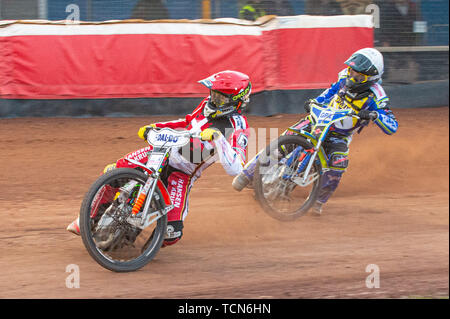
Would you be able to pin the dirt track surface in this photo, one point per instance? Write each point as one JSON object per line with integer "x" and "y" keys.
{"x": 391, "y": 209}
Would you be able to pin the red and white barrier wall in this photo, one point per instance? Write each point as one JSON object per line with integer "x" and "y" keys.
{"x": 166, "y": 59}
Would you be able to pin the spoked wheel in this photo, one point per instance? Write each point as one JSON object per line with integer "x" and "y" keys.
{"x": 279, "y": 186}
{"x": 108, "y": 227}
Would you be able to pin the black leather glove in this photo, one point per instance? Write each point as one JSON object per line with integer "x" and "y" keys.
{"x": 368, "y": 115}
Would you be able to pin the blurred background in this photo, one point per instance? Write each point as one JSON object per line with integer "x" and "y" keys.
{"x": 412, "y": 34}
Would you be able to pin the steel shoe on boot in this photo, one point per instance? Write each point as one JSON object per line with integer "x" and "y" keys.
{"x": 317, "y": 209}
{"x": 74, "y": 226}
{"x": 240, "y": 182}
{"x": 174, "y": 233}
{"x": 169, "y": 242}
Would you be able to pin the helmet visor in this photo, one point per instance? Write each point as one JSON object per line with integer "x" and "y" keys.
{"x": 360, "y": 63}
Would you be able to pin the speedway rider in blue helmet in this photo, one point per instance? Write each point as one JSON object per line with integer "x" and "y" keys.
{"x": 358, "y": 87}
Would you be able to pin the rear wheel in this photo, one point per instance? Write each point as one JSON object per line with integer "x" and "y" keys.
{"x": 105, "y": 216}
{"x": 277, "y": 182}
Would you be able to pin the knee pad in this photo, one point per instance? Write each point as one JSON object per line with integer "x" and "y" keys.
{"x": 338, "y": 161}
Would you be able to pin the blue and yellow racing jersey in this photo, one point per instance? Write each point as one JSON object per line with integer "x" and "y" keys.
{"x": 373, "y": 100}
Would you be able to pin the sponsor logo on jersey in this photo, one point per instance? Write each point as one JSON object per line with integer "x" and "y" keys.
{"x": 390, "y": 123}
{"x": 176, "y": 193}
{"x": 242, "y": 140}
{"x": 139, "y": 154}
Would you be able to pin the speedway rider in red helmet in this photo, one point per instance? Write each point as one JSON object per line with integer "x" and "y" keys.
{"x": 224, "y": 132}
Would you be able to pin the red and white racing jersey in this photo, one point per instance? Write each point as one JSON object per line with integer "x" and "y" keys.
{"x": 230, "y": 149}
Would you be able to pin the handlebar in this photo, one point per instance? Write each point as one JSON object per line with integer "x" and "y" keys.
{"x": 196, "y": 135}
{"x": 373, "y": 114}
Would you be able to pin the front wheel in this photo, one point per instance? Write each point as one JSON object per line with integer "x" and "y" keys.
{"x": 109, "y": 237}
{"x": 278, "y": 178}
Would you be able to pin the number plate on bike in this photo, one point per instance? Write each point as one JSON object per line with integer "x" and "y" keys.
{"x": 325, "y": 116}
{"x": 168, "y": 138}
{"x": 155, "y": 160}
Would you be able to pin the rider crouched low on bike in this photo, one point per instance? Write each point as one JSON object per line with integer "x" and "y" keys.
{"x": 358, "y": 87}
{"x": 224, "y": 134}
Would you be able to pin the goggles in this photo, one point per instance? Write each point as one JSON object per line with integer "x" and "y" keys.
{"x": 357, "y": 77}
{"x": 219, "y": 100}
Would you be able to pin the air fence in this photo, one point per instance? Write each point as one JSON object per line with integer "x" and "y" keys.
{"x": 152, "y": 53}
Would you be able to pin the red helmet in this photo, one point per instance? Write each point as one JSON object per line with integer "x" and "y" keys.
{"x": 229, "y": 92}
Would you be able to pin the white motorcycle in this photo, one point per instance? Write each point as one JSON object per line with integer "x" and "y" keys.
{"x": 123, "y": 217}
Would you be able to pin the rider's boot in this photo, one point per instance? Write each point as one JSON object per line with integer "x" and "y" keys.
{"x": 245, "y": 178}
{"x": 173, "y": 234}
{"x": 316, "y": 209}
{"x": 169, "y": 242}
{"x": 74, "y": 227}
{"x": 240, "y": 182}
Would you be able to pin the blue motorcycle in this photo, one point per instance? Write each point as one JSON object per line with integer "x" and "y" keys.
{"x": 289, "y": 171}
